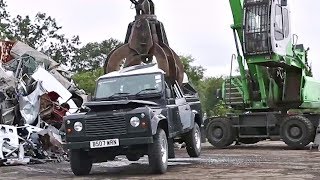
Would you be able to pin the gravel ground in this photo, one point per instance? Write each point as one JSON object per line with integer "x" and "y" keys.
{"x": 265, "y": 160}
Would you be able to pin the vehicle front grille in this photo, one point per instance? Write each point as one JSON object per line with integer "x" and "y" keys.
{"x": 105, "y": 125}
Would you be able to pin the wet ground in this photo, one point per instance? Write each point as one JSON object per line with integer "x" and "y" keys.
{"x": 265, "y": 160}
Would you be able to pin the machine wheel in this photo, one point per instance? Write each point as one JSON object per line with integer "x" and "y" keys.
{"x": 133, "y": 157}
{"x": 220, "y": 133}
{"x": 80, "y": 162}
{"x": 158, "y": 152}
{"x": 193, "y": 141}
{"x": 297, "y": 131}
{"x": 249, "y": 140}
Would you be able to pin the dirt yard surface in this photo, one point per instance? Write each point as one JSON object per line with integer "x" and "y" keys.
{"x": 265, "y": 160}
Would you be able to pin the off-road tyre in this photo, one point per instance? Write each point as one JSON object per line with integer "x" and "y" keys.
{"x": 297, "y": 131}
{"x": 158, "y": 153}
{"x": 80, "y": 162}
{"x": 193, "y": 141}
{"x": 220, "y": 132}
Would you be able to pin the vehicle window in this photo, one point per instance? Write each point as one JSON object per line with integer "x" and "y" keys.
{"x": 129, "y": 85}
{"x": 286, "y": 22}
{"x": 256, "y": 29}
{"x": 279, "y": 35}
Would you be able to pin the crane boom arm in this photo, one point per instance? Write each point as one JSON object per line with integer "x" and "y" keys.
{"x": 237, "y": 12}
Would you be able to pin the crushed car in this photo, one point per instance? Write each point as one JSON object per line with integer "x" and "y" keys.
{"x": 35, "y": 95}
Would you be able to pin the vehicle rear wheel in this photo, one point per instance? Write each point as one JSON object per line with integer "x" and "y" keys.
{"x": 80, "y": 162}
{"x": 297, "y": 131}
{"x": 193, "y": 141}
{"x": 220, "y": 132}
{"x": 158, "y": 152}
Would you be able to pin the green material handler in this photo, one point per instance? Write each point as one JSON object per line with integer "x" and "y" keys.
{"x": 275, "y": 78}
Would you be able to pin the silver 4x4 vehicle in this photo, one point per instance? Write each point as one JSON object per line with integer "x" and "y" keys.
{"x": 134, "y": 112}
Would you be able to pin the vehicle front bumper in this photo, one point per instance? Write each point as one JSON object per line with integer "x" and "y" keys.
{"x": 122, "y": 142}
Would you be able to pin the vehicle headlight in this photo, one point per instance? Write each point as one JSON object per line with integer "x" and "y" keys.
{"x": 78, "y": 126}
{"x": 135, "y": 121}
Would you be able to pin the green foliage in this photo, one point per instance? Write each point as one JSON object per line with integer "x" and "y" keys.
{"x": 4, "y": 20}
{"x": 93, "y": 55}
{"x": 207, "y": 89}
{"x": 40, "y": 32}
{"x": 87, "y": 80}
{"x": 219, "y": 110}
{"x": 88, "y": 62}
{"x": 195, "y": 73}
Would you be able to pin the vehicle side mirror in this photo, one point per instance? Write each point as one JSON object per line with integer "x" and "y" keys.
{"x": 219, "y": 94}
{"x": 168, "y": 93}
{"x": 284, "y": 2}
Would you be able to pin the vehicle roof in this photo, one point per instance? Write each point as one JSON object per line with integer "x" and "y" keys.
{"x": 134, "y": 70}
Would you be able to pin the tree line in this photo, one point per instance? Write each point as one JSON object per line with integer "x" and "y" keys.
{"x": 43, "y": 33}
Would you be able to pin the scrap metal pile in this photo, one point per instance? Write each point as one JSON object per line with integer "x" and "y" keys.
{"x": 35, "y": 93}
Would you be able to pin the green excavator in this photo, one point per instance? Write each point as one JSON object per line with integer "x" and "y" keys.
{"x": 275, "y": 87}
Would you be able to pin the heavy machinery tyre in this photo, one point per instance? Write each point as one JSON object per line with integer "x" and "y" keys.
{"x": 249, "y": 140}
{"x": 193, "y": 141}
{"x": 80, "y": 162}
{"x": 220, "y": 132}
{"x": 133, "y": 157}
{"x": 297, "y": 131}
{"x": 158, "y": 152}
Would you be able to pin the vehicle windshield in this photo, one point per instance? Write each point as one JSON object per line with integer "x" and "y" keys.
{"x": 129, "y": 85}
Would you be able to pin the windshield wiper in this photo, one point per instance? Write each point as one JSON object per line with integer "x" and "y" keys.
{"x": 118, "y": 94}
{"x": 144, "y": 90}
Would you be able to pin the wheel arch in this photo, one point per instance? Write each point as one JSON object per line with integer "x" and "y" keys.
{"x": 198, "y": 119}
{"x": 163, "y": 124}
{"x": 159, "y": 121}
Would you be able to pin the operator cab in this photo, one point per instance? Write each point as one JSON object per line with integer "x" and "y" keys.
{"x": 266, "y": 27}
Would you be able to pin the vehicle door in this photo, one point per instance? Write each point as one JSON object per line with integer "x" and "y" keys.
{"x": 185, "y": 112}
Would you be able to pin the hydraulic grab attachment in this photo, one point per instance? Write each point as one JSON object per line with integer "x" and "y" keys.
{"x": 146, "y": 39}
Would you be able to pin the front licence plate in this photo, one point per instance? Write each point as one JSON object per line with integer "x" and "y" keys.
{"x": 104, "y": 143}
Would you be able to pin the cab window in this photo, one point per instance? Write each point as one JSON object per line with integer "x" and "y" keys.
{"x": 286, "y": 22}
{"x": 279, "y": 34}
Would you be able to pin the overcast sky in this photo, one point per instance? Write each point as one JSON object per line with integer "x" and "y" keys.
{"x": 199, "y": 28}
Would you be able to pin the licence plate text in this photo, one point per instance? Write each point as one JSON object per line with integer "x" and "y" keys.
{"x": 104, "y": 143}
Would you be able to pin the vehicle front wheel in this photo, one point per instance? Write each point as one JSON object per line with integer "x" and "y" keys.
{"x": 193, "y": 141}
{"x": 80, "y": 162}
{"x": 158, "y": 152}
